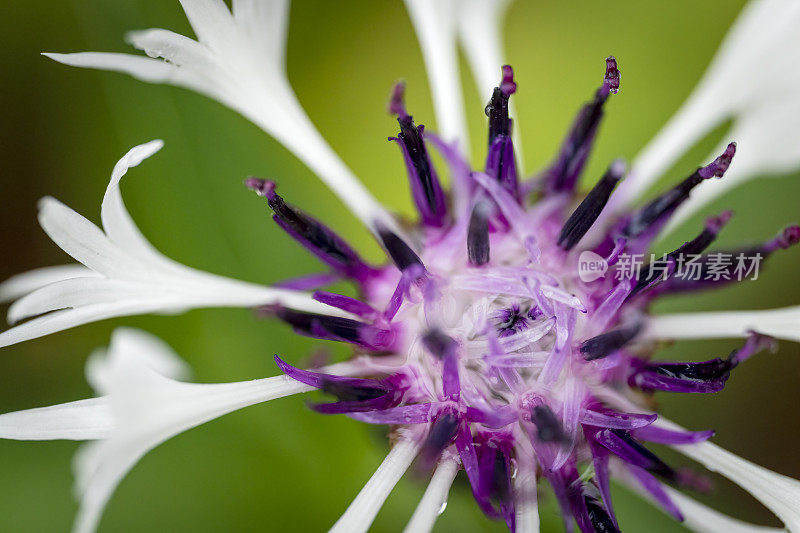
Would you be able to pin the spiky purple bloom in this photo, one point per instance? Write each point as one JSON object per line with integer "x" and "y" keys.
{"x": 509, "y": 357}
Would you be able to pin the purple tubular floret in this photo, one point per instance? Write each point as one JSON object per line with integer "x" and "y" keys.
{"x": 621, "y": 444}
{"x": 335, "y": 328}
{"x": 354, "y": 394}
{"x": 425, "y": 187}
{"x": 345, "y": 303}
{"x": 563, "y": 175}
{"x": 650, "y": 276}
{"x": 589, "y": 209}
{"x": 720, "y": 268}
{"x": 703, "y": 377}
{"x": 315, "y": 236}
{"x": 669, "y": 436}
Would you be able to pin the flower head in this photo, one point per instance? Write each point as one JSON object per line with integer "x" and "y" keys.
{"x": 481, "y": 342}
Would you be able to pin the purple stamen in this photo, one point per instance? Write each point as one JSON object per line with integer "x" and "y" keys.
{"x": 548, "y": 426}
{"x": 563, "y": 175}
{"x": 497, "y": 108}
{"x": 425, "y": 186}
{"x": 335, "y": 328}
{"x": 650, "y": 219}
{"x": 400, "y": 252}
{"x": 312, "y": 234}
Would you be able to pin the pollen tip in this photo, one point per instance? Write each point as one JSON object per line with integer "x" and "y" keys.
{"x": 618, "y": 168}
{"x": 789, "y": 237}
{"x": 716, "y": 223}
{"x": 718, "y": 167}
{"x": 507, "y": 85}
{"x": 262, "y": 187}
{"x": 612, "y": 76}
{"x": 397, "y": 104}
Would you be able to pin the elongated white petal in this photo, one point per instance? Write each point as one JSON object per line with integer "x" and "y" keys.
{"x": 435, "y": 24}
{"x": 81, "y": 420}
{"x": 266, "y": 23}
{"x": 480, "y": 34}
{"x": 765, "y": 35}
{"x": 21, "y": 284}
{"x": 525, "y": 503}
{"x": 126, "y": 274}
{"x": 360, "y": 514}
{"x": 129, "y": 344}
{"x": 699, "y": 517}
{"x": 704, "y": 519}
{"x": 239, "y": 60}
{"x": 780, "y": 494}
{"x": 141, "y": 407}
{"x": 435, "y": 498}
{"x": 781, "y": 323}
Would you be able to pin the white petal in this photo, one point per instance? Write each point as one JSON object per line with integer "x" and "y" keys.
{"x": 435, "y": 498}
{"x": 360, "y": 514}
{"x": 241, "y": 64}
{"x": 435, "y": 24}
{"x": 780, "y": 494}
{"x": 765, "y": 35}
{"x": 141, "y": 409}
{"x": 779, "y": 323}
{"x": 210, "y": 20}
{"x": 526, "y": 505}
{"x": 21, "y": 284}
{"x": 142, "y": 68}
{"x": 266, "y": 22}
{"x": 697, "y": 516}
{"x": 132, "y": 344}
{"x": 704, "y": 519}
{"x": 129, "y": 275}
{"x": 81, "y": 420}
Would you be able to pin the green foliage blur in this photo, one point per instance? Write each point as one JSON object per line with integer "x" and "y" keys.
{"x": 278, "y": 466}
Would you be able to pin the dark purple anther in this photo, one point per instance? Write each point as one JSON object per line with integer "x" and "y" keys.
{"x": 425, "y": 187}
{"x": 598, "y": 516}
{"x": 478, "y": 234}
{"x": 335, "y": 328}
{"x": 548, "y": 427}
{"x": 512, "y": 320}
{"x": 311, "y": 233}
{"x": 607, "y": 343}
{"x": 589, "y": 209}
{"x": 563, "y": 175}
{"x": 401, "y": 253}
{"x": 651, "y": 218}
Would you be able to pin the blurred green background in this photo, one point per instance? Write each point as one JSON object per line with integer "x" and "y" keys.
{"x": 278, "y": 466}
